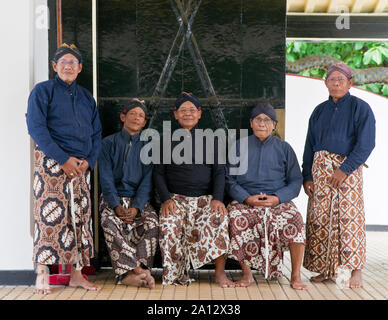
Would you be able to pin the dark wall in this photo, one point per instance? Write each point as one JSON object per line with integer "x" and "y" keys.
{"x": 240, "y": 42}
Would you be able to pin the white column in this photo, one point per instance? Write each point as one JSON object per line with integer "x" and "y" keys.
{"x": 19, "y": 26}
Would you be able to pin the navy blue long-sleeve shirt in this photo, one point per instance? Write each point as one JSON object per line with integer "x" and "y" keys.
{"x": 273, "y": 169}
{"x": 347, "y": 128}
{"x": 63, "y": 120}
{"x": 122, "y": 174}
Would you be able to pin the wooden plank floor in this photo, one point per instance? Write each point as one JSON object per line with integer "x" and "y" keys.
{"x": 375, "y": 285}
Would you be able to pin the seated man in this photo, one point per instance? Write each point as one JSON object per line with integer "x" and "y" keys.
{"x": 129, "y": 222}
{"x": 263, "y": 219}
{"x": 193, "y": 219}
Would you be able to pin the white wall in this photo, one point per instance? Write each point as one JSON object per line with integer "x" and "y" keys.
{"x": 303, "y": 94}
{"x": 17, "y": 29}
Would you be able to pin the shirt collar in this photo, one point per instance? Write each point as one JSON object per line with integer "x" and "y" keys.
{"x": 64, "y": 84}
{"x": 192, "y": 130}
{"x": 340, "y": 100}
{"x": 128, "y": 137}
{"x": 270, "y": 137}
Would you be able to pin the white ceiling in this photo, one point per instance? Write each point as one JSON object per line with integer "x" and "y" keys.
{"x": 338, "y": 6}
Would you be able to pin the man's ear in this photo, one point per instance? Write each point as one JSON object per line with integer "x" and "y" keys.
{"x": 122, "y": 117}
{"x": 54, "y": 65}
{"x": 145, "y": 122}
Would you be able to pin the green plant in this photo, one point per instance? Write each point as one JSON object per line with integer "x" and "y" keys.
{"x": 356, "y": 54}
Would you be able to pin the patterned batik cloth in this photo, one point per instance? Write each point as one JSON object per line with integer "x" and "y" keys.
{"x": 193, "y": 234}
{"x": 259, "y": 236}
{"x": 130, "y": 245}
{"x": 55, "y": 196}
{"x": 335, "y": 220}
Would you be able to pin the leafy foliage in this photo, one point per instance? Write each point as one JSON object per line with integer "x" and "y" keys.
{"x": 356, "y": 54}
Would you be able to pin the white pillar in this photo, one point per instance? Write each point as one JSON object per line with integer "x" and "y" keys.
{"x": 24, "y": 45}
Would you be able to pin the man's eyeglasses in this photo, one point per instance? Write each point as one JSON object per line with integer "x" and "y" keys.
{"x": 265, "y": 121}
{"x": 71, "y": 63}
{"x": 339, "y": 79}
{"x": 191, "y": 110}
{"x": 135, "y": 114}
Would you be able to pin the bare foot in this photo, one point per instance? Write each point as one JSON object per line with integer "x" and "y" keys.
{"x": 150, "y": 279}
{"x": 297, "y": 283}
{"x": 319, "y": 278}
{"x": 139, "y": 270}
{"x": 41, "y": 284}
{"x": 246, "y": 280}
{"x": 355, "y": 280}
{"x": 223, "y": 280}
{"x": 77, "y": 280}
{"x": 136, "y": 280}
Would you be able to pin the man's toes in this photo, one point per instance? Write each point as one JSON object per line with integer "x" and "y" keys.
{"x": 298, "y": 286}
{"x": 150, "y": 281}
{"x": 227, "y": 284}
{"x": 143, "y": 283}
{"x": 95, "y": 288}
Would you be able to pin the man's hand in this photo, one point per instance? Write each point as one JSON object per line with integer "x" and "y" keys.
{"x": 218, "y": 206}
{"x": 308, "y": 187}
{"x": 84, "y": 165}
{"x": 131, "y": 213}
{"x": 71, "y": 167}
{"x": 252, "y": 200}
{"x": 337, "y": 178}
{"x": 167, "y": 207}
{"x": 270, "y": 201}
{"x": 123, "y": 214}
{"x": 262, "y": 200}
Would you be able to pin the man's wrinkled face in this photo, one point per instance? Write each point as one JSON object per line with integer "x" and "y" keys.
{"x": 187, "y": 115}
{"x": 338, "y": 85}
{"x": 134, "y": 120}
{"x": 67, "y": 67}
{"x": 262, "y": 126}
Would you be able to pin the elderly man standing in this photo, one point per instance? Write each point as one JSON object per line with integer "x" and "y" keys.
{"x": 194, "y": 220}
{"x": 130, "y": 224}
{"x": 340, "y": 138}
{"x": 263, "y": 220}
{"x": 63, "y": 120}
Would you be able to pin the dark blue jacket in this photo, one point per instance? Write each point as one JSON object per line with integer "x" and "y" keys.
{"x": 273, "y": 169}
{"x": 347, "y": 128}
{"x": 63, "y": 120}
{"x": 122, "y": 174}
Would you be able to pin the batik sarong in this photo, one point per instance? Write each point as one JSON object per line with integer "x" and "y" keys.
{"x": 259, "y": 236}
{"x": 194, "y": 234}
{"x": 62, "y": 213}
{"x": 335, "y": 219}
{"x": 130, "y": 245}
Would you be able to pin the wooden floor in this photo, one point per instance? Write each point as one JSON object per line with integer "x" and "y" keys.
{"x": 375, "y": 285}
